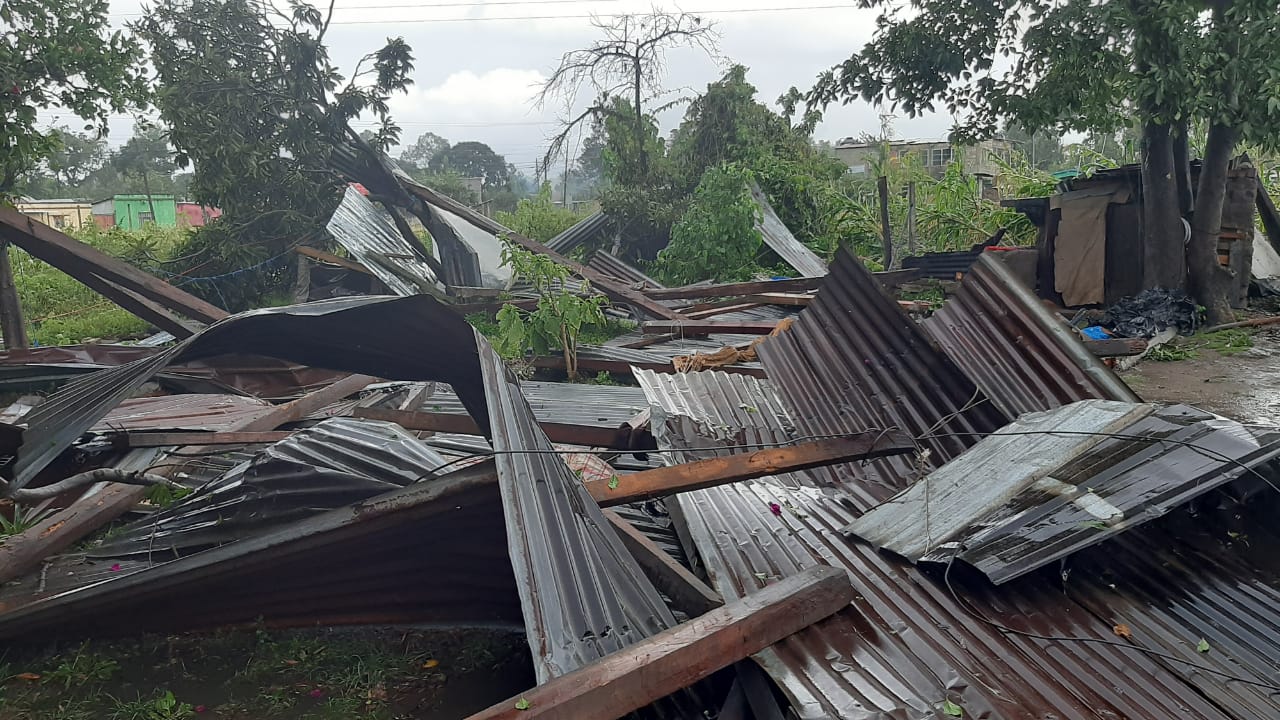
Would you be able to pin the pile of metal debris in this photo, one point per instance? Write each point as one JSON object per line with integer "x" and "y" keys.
{"x": 855, "y": 514}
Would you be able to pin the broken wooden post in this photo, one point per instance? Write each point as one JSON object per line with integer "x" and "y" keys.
{"x": 660, "y": 482}
{"x": 686, "y": 590}
{"x": 21, "y": 553}
{"x": 12, "y": 325}
{"x": 636, "y": 676}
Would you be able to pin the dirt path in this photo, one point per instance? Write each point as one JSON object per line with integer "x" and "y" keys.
{"x": 1244, "y": 386}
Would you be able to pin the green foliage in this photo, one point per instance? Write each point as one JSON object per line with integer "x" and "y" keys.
{"x": 538, "y": 217}
{"x": 472, "y": 159}
{"x": 165, "y": 495}
{"x": 59, "y": 53}
{"x": 61, "y": 311}
{"x": 560, "y": 315}
{"x": 85, "y": 667}
{"x": 22, "y": 518}
{"x": 162, "y": 706}
{"x": 716, "y": 239}
{"x": 264, "y": 116}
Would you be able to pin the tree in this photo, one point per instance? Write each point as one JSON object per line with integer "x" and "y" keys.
{"x": 77, "y": 157}
{"x": 1163, "y": 61}
{"x": 473, "y": 159}
{"x": 629, "y": 62}
{"x": 1043, "y": 149}
{"x": 59, "y": 54}
{"x": 257, "y": 108}
{"x": 146, "y": 156}
{"x": 423, "y": 150}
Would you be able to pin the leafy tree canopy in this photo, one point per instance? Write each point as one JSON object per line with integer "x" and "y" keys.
{"x": 59, "y": 54}
{"x": 259, "y": 110}
{"x": 473, "y": 159}
{"x": 423, "y": 150}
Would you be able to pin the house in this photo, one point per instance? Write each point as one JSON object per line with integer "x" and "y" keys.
{"x": 56, "y": 213}
{"x": 132, "y": 212}
{"x": 935, "y": 156}
{"x": 196, "y": 215}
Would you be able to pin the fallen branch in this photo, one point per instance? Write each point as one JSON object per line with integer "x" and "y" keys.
{"x": 84, "y": 479}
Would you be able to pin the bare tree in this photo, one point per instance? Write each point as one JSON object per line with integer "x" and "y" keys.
{"x": 628, "y": 62}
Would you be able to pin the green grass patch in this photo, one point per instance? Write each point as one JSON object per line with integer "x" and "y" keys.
{"x": 1224, "y": 342}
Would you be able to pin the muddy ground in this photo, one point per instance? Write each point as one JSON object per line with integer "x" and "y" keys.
{"x": 1243, "y": 385}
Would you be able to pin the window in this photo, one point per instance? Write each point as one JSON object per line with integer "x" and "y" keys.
{"x": 59, "y": 221}
{"x": 146, "y": 217}
{"x": 939, "y": 157}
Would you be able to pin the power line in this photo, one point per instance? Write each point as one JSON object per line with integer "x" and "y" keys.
{"x": 423, "y": 21}
{"x": 419, "y": 6}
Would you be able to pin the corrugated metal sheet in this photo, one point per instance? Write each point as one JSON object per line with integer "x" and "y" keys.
{"x": 905, "y": 643}
{"x": 1134, "y": 481}
{"x": 360, "y": 564}
{"x": 572, "y": 404}
{"x": 211, "y": 413}
{"x": 365, "y": 232}
{"x": 853, "y": 361}
{"x": 1022, "y": 355}
{"x": 338, "y": 462}
{"x": 943, "y": 266}
{"x": 615, "y": 267}
{"x": 587, "y": 229}
{"x": 780, "y": 240}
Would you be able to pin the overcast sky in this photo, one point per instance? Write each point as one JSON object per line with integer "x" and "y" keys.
{"x": 478, "y": 64}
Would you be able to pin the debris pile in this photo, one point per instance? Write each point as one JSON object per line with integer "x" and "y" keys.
{"x": 814, "y": 505}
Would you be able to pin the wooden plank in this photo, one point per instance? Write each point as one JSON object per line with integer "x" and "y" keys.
{"x": 464, "y": 425}
{"x": 726, "y": 290}
{"x": 621, "y": 367}
{"x": 1116, "y": 347}
{"x": 178, "y": 439}
{"x": 685, "y": 589}
{"x": 332, "y": 259}
{"x": 611, "y": 287}
{"x": 783, "y": 299}
{"x": 12, "y": 326}
{"x": 711, "y": 472}
{"x": 78, "y": 259}
{"x": 21, "y": 553}
{"x": 736, "y": 306}
{"x": 141, "y": 307}
{"x": 645, "y": 342}
{"x": 685, "y": 328}
{"x": 631, "y": 678}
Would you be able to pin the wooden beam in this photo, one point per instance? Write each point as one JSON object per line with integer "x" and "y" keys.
{"x": 622, "y": 367}
{"x": 78, "y": 259}
{"x": 179, "y": 439}
{"x": 685, "y": 589}
{"x": 463, "y": 425}
{"x": 735, "y": 306}
{"x": 1116, "y": 347}
{"x": 645, "y": 342}
{"x": 332, "y": 259}
{"x": 12, "y": 326}
{"x": 21, "y": 553}
{"x": 711, "y": 472}
{"x": 685, "y": 328}
{"x": 889, "y": 279}
{"x": 784, "y": 299}
{"x": 613, "y": 288}
{"x": 141, "y": 307}
{"x": 629, "y": 679}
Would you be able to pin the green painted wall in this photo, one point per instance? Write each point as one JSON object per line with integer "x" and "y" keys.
{"x": 132, "y": 211}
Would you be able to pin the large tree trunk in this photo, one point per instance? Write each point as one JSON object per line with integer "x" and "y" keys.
{"x": 1162, "y": 230}
{"x": 1210, "y": 282}
{"x": 1182, "y": 168}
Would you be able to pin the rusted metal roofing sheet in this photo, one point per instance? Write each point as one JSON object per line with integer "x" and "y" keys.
{"x": 374, "y": 242}
{"x": 1023, "y": 356}
{"x": 212, "y": 413}
{"x": 335, "y": 463}
{"x": 854, "y": 361}
{"x": 906, "y": 643}
{"x": 360, "y": 564}
{"x": 568, "y": 403}
{"x": 778, "y": 237}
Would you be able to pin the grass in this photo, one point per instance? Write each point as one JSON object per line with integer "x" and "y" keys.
{"x": 61, "y": 311}
{"x": 366, "y": 674}
{"x": 1224, "y": 342}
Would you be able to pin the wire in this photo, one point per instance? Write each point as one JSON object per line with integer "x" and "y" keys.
{"x": 964, "y": 605}
{"x": 427, "y": 21}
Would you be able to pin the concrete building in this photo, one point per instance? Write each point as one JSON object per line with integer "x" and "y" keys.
{"x": 62, "y": 214}
{"x": 132, "y": 212}
{"x": 935, "y": 156}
